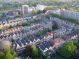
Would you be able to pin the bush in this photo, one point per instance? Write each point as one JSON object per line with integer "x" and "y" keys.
{"x": 25, "y": 23}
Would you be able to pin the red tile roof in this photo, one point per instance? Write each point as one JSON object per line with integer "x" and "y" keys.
{"x": 57, "y": 40}
{"x": 49, "y": 33}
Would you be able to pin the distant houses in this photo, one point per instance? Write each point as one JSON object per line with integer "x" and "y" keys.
{"x": 9, "y": 15}
{"x": 24, "y": 11}
{"x": 70, "y": 14}
{"x": 65, "y": 13}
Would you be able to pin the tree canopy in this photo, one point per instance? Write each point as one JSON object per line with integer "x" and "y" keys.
{"x": 31, "y": 51}
{"x": 68, "y": 49}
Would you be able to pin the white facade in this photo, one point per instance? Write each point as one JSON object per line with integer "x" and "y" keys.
{"x": 57, "y": 11}
{"x": 67, "y": 0}
{"x": 54, "y": 11}
{"x": 25, "y": 9}
{"x": 40, "y": 7}
{"x": 31, "y": 9}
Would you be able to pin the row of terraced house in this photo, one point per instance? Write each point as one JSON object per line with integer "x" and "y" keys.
{"x": 67, "y": 13}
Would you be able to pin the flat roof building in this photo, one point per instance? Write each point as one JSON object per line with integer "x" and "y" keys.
{"x": 25, "y": 9}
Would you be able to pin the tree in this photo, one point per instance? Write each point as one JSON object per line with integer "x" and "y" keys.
{"x": 2, "y": 55}
{"x": 77, "y": 44}
{"x": 34, "y": 12}
{"x": 10, "y": 26}
{"x": 46, "y": 30}
{"x": 28, "y": 51}
{"x": 43, "y": 32}
{"x": 54, "y": 26}
{"x": 34, "y": 51}
{"x": 6, "y": 53}
{"x": 56, "y": 56}
{"x": 9, "y": 54}
{"x": 67, "y": 50}
{"x": 31, "y": 51}
{"x": 1, "y": 28}
{"x": 49, "y": 8}
{"x": 64, "y": 18}
{"x": 25, "y": 23}
{"x": 5, "y": 44}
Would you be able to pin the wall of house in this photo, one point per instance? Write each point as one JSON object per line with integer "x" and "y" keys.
{"x": 70, "y": 14}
